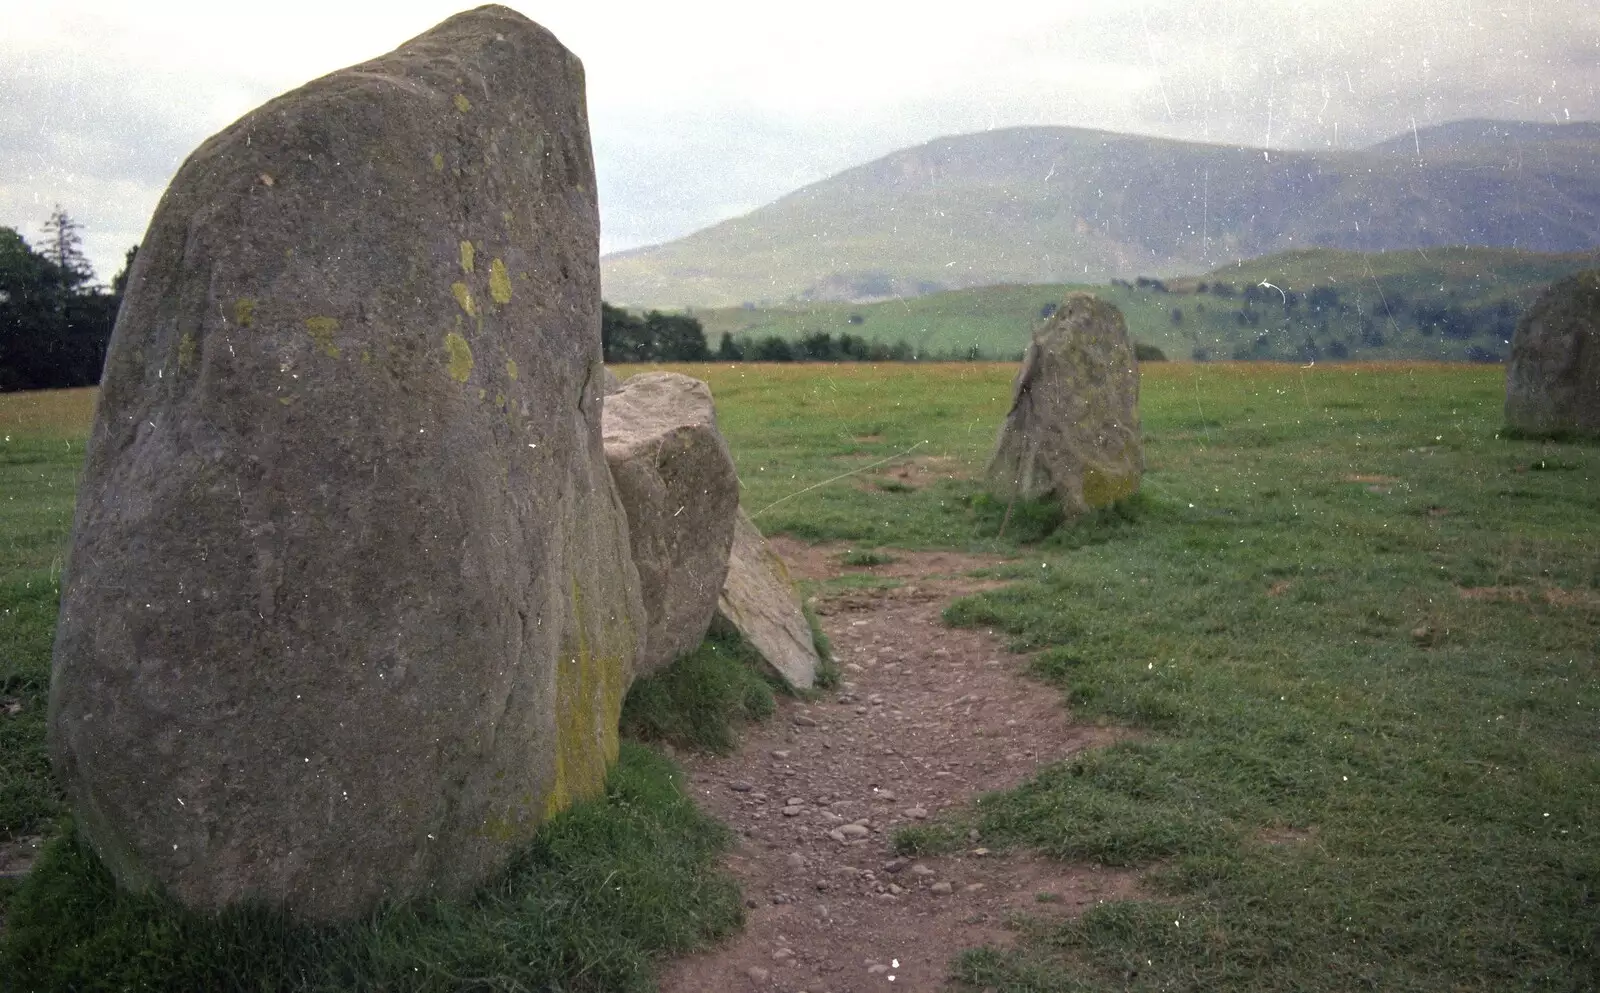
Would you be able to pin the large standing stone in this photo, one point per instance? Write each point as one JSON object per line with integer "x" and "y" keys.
{"x": 1553, "y": 380}
{"x": 759, "y": 601}
{"x": 1073, "y": 429}
{"x": 349, "y": 608}
{"x": 681, "y": 492}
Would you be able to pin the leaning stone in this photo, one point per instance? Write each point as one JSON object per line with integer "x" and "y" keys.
{"x": 349, "y": 609}
{"x": 678, "y": 483}
{"x": 758, "y": 600}
{"x": 1073, "y": 430}
{"x": 1553, "y": 380}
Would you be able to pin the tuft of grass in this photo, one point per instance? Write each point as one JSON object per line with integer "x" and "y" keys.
{"x": 601, "y": 894}
{"x": 1025, "y": 522}
{"x": 828, "y": 674}
{"x": 866, "y": 557}
{"x": 939, "y": 837}
{"x": 699, "y": 701}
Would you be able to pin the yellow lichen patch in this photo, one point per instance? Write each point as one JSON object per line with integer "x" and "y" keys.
{"x": 499, "y": 282}
{"x": 286, "y": 401}
{"x": 499, "y": 399}
{"x": 467, "y": 255}
{"x": 322, "y": 329}
{"x": 186, "y": 352}
{"x": 464, "y": 298}
{"x": 460, "y": 356}
{"x": 506, "y": 216}
{"x": 588, "y": 705}
{"x": 244, "y": 311}
{"x": 438, "y": 162}
{"x": 1102, "y": 488}
{"x": 511, "y": 369}
{"x": 366, "y": 356}
{"x": 462, "y": 103}
{"x": 482, "y": 393}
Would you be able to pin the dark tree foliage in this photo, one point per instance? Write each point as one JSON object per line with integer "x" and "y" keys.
{"x": 770, "y": 349}
{"x": 54, "y": 323}
{"x": 729, "y": 350}
{"x": 655, "y": 337}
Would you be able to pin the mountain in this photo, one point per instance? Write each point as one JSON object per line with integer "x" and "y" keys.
{"x": 1056, "y": 205}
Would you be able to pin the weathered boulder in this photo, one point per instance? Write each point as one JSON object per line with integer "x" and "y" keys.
{"x": 678, "y": 483}
{"x": 1553, "y": 379}
{"x": 349, "y": 608}
{"x": 1073, "y": 429}
{"x": 759, "y": 601}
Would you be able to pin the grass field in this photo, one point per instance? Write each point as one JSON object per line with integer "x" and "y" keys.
{"x": 1375, "y": 306}
{"x": 1357, "y": 629}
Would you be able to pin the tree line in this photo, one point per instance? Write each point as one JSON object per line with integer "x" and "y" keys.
{"x": 55, "y": 319}
{"x": 55, "y": 322}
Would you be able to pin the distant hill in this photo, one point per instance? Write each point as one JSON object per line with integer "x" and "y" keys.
{"x": 1052, "y": 205}
{"x": 1454, "y": 304}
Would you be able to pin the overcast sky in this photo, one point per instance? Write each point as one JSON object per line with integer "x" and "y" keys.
{"x": 705, "y": 110}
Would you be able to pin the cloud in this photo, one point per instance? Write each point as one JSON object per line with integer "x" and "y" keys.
{"x": 702, "y": 108}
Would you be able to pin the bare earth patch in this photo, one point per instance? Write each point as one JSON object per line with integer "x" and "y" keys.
{"x": 825, "y": 561}
{"x": 928, "y": 717}
{"x": 18, "y": 855}
{"x": 1286, "y": 835}
{"x": 914, "y": 474}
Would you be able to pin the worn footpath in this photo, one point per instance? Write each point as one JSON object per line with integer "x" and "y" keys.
{"x": 926, "y": 717}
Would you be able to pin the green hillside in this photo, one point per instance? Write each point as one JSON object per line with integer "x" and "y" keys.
{"x": 1051, "y": 205}
{"x": 1451, "y": 304}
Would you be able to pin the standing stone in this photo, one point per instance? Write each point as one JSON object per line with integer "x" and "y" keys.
{"x": 1553, "y": 380}
{"x": 678, "y": 483}
{"x": 349, "y": 608}
{"x": 1073, "y": 430}
{"x": 758, "y": 600}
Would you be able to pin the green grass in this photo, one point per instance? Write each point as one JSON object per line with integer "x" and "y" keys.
{"x": 700, "y": 700}
{"x": 606, "y": 890}
{"x": 1320, "y": 800}
{"x": 41, "y": 450}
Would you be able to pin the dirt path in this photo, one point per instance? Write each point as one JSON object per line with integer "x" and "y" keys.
{"x": 927, "y": 717}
